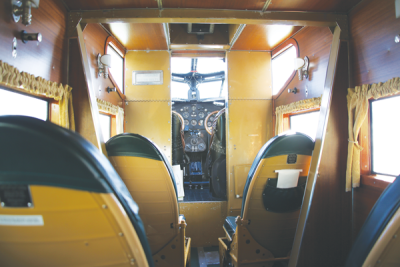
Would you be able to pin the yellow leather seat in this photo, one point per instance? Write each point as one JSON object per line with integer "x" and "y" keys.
{"x": 62, "y": 203}
{"x": 264, "y": 232}
{"x": 149, "y": 178}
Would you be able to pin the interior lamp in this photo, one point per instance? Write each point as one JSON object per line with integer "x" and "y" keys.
{"x": 22, "y": 8}
{"x": 103, "y": 63}
{"x": 301, "y": 65}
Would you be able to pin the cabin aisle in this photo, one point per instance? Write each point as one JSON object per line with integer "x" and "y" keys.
{"x": 204, "y": 257}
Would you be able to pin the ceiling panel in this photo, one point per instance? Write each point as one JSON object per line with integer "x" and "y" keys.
{"x": 215, "y": 4}
{"x": 109, "y": 4}
{"x": 179, "y": 35}
{"x": 263, "y": 37}
{"x": 313, "y": 5}
{"x": 139, "y": 36}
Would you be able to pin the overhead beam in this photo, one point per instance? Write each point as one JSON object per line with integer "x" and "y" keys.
{"x": 265, "y": 7}
{"x": 190, "y": 15}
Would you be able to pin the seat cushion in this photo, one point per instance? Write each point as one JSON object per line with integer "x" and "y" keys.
{"x": 230, "y": 225}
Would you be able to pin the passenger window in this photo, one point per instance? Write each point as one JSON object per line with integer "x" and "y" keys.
{"x": 105, "y": 124}
{"x": 306, "y": 123}
{"x": 117, "y": 67}
{"x": 12, "y": 103}
{"x": 283, "y": 68}
{"x": 385, "y": 143}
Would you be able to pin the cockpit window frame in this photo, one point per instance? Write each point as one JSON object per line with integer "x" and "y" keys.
{"x": 121, "y": 51}
{"x": 276, "y": 52}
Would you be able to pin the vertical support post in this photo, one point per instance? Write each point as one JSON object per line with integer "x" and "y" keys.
{"x": 319, "y": 142}
{"x": 91, "y": 93}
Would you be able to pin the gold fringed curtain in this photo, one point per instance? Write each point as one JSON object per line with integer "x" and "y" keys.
{"x": 293, "y": 107}
{"x": 114, "y": 110}
{"x": 357, "y": 108}
{"x": 12, "y": 78}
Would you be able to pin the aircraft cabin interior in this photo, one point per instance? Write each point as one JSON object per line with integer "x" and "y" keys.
{"x": 178, "y": 133}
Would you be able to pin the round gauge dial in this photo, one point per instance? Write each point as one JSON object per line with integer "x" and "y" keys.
{"x": 186, "y": 122}
{"x": 209, "y": 123}
{"x": 201, "y": 115}
{"x": 201, "y": 122}
{"x": 185, "y": 115}
{"x": 193, "y": 122}
{"x": 194, "y": 141}
{"x": 186, "y": 108}
{"x": 211, "y": 118}
{"x": 193, "y": 114}
{"x": 201, "y": 146}
{"x": 193, "y": 108}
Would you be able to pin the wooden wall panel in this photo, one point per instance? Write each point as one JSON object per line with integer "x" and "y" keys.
{"x": 114, "y": 4}
{"x": 212, "y": 4}
{"x": 47, "y": 59}
{"x": 313, "y": 5}
{"x": 315, "y": 43}
{"x": 249, "y": 75}
{"x": 264, "y": 37}
{"x": 95, "y": 38}
{"x": 327, "y": 238}
{"x": 139, "y": 36}
{"x": 373, "y": 26}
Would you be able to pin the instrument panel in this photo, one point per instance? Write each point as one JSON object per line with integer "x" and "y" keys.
{"x": 194, "y": 113}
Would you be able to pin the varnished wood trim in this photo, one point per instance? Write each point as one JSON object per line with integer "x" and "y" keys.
{"x": 276, "y": 52}
{"x": 378, "y": 181}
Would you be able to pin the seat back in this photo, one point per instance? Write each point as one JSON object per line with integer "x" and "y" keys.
{"x": 379, "y": 238}
{"x": 149, "y": 178}
{"x": 178, "y": 140}
{"x": 63, "y": 204}
{"x": 272, "y": 213}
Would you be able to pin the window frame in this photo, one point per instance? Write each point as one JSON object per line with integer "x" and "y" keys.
{"x": 368, "y": 177}
{"x": 53, "y": 107}
{"x": 121, "y": 51}
{"x": 276, "y": 52}
{"x": 113, "y": 123}
{"x": 286, "y": 116}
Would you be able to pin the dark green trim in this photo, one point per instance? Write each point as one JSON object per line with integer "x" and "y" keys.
{"x": 133, "y": 146}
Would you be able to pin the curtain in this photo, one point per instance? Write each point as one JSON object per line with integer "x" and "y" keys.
{"x": 114, "y": 110}
{"x": 292, "y": 107}
{"x": 357, "y": 108}
{"x": 12, "y": 78}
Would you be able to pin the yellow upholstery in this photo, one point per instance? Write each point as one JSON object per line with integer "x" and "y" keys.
{"x": 80, "y": 228}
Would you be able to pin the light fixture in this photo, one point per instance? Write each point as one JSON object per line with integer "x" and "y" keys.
{"x": 25, "y": 37}
{"x": 23, "y": 8}
{"x": 294, "y": 91}
{"x": 111, "y": 89}
{"x": 301, "y": 65}
{"x": 103, "y": 63}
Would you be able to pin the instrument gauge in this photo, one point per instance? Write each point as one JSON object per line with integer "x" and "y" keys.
{"x": 201, "y": 122}
{"x": 194, "y": 141}
{"x": 193, "y": 122}
{"x": 211, "y": 118}
{"x": 193, "y": 108}
{"x": 185, "y": 115}
{"x": 194, "y": 114}
{"x": 209, "y": 124}
{"x": 186, "y": 108}
{"x": 186, "y": 122}
{"x": 201, "y": 146}
{"x": 201, "y": 115}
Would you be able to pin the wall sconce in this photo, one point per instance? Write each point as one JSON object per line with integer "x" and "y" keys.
{"x": 301, "y": 65}
{"x": 25, "y": 37}
{"x": 294, "y": 91}
{"x": 111, "y": 89}
{"x": 23, "y": 8}
{"x": 103, "y": 63}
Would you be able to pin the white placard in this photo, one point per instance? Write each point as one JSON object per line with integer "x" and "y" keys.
{"x": 178, "y": 173}
{"x": 288, "y": 178}
{"x": 21, "y": 220}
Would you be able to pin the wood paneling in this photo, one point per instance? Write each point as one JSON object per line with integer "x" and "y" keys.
{"x": 212, "y": 4}
{"x": 95, "y": 39}
{"x": 315, "y": 43}
{"x": 327, "y": 238}
{"x": 139, "y": 36}
{"x": 179, "y": 35}
{"x": 373, "y": 26}
{"x": 313, "y": 5}
{"x": 109, "y": 4}
{"x": 264, "y": 37}
{"x": 46, "y": 59}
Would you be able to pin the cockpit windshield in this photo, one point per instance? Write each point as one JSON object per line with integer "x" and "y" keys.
{"x": 198, "y": 78}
